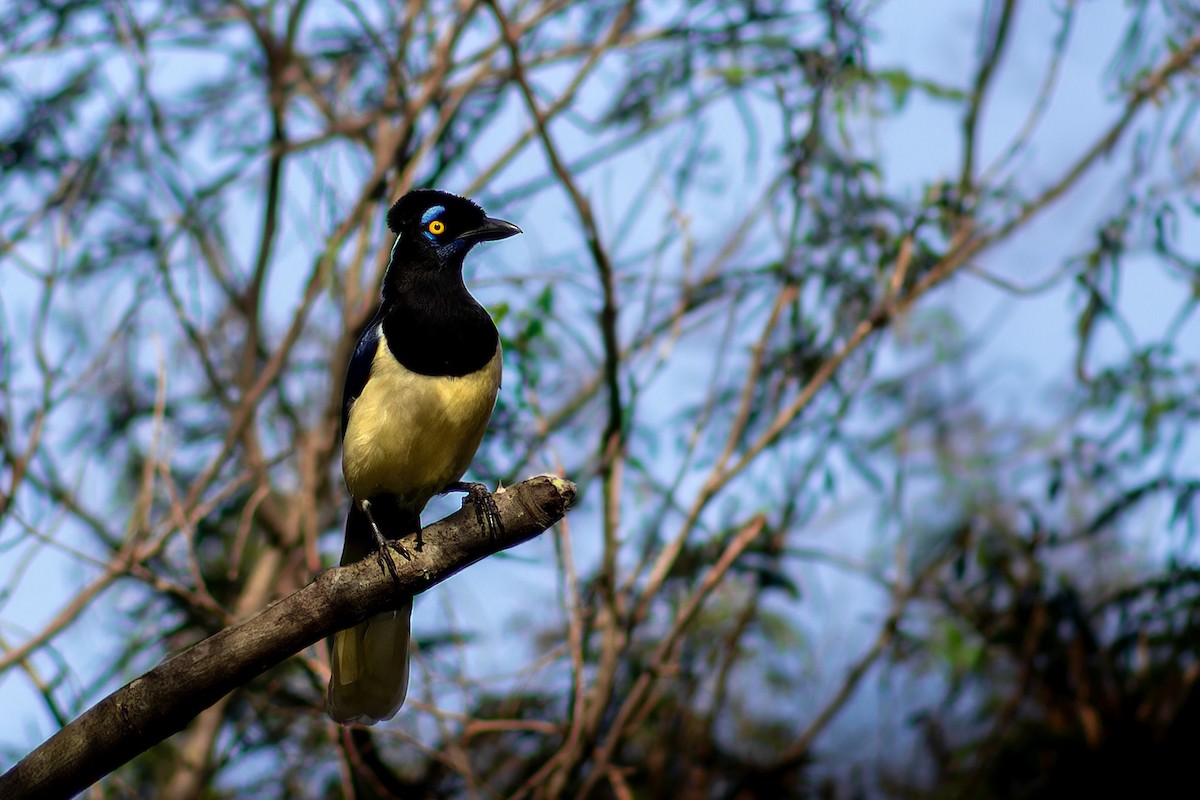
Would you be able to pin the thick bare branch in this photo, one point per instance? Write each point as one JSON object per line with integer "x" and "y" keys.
{"x": 164, "y": 700}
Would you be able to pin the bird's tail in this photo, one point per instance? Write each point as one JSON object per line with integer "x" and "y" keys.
{"x": 369, "y": 662}
{"x": 370, "y": 668}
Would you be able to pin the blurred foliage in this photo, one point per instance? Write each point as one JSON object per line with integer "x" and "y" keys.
{"x": 780, "y": 321}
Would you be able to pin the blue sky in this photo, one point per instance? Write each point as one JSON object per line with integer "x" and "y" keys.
{"x": 1029, "y": 342}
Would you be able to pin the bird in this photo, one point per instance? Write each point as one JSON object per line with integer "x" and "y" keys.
{"x": 419, "y": 393}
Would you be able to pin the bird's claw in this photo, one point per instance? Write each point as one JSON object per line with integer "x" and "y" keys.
{"x": 384, "y": 547}
{"x": 487, "y": 513}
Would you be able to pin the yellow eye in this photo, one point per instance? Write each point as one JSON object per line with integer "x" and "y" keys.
{"x": 437, "y": 227}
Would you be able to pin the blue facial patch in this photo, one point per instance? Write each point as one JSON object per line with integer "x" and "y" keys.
{"x": 431, "y": 213}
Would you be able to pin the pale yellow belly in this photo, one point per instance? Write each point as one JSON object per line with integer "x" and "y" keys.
{"x": 409, "y": 435}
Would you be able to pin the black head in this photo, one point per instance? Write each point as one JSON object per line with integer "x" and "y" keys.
{"x": 438, "y": 228}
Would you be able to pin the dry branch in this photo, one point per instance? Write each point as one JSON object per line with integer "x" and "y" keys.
{"x": 168, "y": 697}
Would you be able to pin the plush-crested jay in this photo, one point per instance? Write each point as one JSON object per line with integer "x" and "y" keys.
{"x": 419, "y": 392}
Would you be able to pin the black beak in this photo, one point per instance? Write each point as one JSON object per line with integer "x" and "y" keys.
{"x": 491, "y": 230}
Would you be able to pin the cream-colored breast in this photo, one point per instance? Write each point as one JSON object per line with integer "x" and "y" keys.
{"x": 409, "y": 434}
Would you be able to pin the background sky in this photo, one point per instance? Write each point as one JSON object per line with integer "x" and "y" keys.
{"x": 1026, "y": 355}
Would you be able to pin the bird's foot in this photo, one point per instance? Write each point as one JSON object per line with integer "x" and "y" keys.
{"x": 384, "y": 546}
{"x": 487, "y": 514}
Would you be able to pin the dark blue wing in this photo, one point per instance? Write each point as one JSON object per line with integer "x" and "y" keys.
{"x": 359, "y": 369}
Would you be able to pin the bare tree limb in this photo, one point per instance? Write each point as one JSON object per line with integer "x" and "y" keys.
{"x": 168, "y": 697}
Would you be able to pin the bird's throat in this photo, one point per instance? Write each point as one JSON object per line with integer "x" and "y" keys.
{"x": 437, "y": 328}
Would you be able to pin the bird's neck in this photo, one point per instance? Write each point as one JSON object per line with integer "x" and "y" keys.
{"x": 434, "y": 326}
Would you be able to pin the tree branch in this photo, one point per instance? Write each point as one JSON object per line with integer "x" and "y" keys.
{"x": 165, "y": 699}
